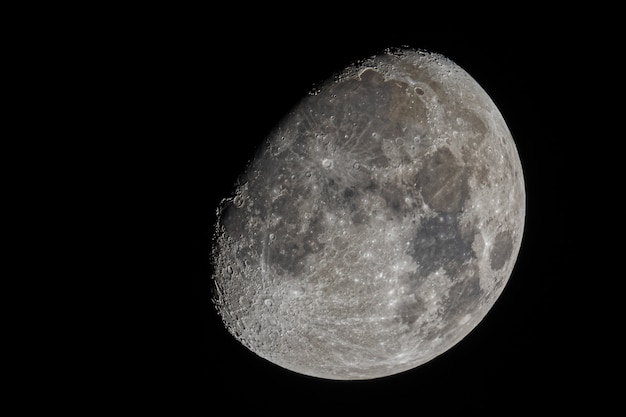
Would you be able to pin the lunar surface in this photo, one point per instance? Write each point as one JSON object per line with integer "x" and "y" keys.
{"x": 376, "y": 226}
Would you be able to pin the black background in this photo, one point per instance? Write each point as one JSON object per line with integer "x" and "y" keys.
{"x": 227, "y": 83}
{"x": 142, "y": 118}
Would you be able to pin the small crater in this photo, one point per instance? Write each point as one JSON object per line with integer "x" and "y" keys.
{"x": 238, "y": 201}
{"x": 419, "y": 91}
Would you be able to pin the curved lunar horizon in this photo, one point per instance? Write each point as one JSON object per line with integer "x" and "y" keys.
{"x": 377, "y": 226}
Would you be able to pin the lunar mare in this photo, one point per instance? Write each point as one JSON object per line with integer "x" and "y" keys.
{"x": 377, "y": 226}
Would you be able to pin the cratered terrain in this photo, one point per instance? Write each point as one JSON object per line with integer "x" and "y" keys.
{"x": 376, "y": 226}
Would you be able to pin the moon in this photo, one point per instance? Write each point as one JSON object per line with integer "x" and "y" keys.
{"x": 376, "y": 226}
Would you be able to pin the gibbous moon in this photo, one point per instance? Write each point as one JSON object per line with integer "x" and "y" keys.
{"x": 377, "y": 226}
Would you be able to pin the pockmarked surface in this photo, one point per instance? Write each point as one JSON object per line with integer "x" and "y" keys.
{"x": 377, "y": 225}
